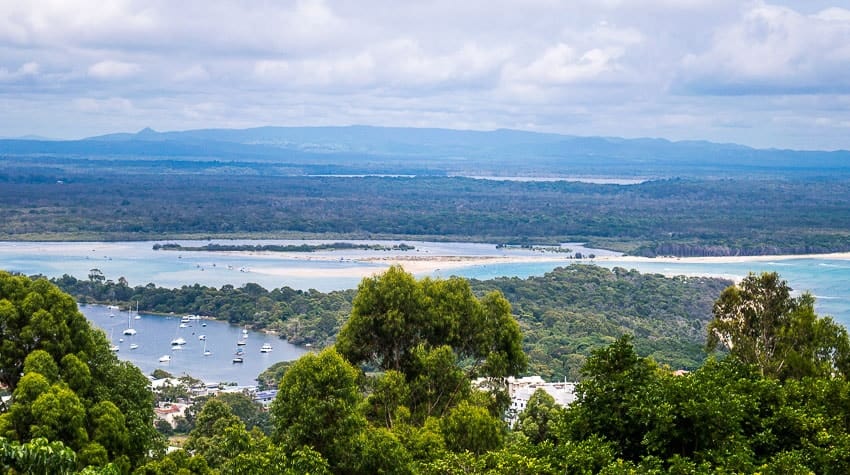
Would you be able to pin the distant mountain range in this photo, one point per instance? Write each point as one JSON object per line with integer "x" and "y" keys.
{"x": 438, "y": 151}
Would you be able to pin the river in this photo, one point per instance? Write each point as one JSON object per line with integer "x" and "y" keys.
{"x": 827, "y": 278}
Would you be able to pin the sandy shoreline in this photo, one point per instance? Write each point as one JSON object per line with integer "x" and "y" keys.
{"x": 725, "y": 259}
{"x": 431, "y": 264}
{"x": 412, "y": 264}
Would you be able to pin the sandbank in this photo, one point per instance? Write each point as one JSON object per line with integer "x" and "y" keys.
{"x": 412, "y": 264}
{"x": 366, "y": 266}
{"x": 725, "y": 259}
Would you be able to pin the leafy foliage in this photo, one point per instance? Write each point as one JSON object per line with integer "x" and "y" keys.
{"x": 762, "y": 325}
{"x": 66, "y": 385}
{"x": 568, "y": 312}
{"x": 631, "y": 415}
{"x": 316, "y": 406}
{"x": 394, "y": 316}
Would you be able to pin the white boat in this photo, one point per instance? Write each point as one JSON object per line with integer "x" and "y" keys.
{"x": 164, "y": 358}
{"x": 241, "y": 342}
{"x": 266, "y": 348}
{"x": 112, "y": 346}
{"x": 244, "y": 331}
{"x": 184, "y": 325}
{"x": 130, "y": 330}
{"x": 112, "y": 307}
{"x": 206, "y": 351}
{"x": 179, "y": 341}
{"x": 133, "y": 346}
{"x": 238, "y": 359}
{"x": 202, "y": 337}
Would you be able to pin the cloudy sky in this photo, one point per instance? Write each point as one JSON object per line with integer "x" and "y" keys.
{"x": 767, "y": 74}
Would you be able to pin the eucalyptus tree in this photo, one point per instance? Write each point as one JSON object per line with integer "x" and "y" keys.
{"x": 762, "y": 324}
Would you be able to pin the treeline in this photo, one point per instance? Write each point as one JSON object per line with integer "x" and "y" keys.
{"x": 333, "y": 246}
{"x": 563, "y": 314}
{"x": 669, "y": 217}
{"x": 568, "y": 312}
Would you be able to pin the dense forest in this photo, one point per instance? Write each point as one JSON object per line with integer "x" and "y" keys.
{"x": 668, "y": 217}
{"x": 564, "y": 314}
{"x": 776, "y": 403}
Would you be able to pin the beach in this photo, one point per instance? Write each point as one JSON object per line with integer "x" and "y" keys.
{"x": 727, "y": 259}
{"x": 430, "y": 264}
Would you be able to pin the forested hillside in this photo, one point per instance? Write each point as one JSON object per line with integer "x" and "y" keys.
{"x": 568, "y": 312}
{"x": 564, "y": 314}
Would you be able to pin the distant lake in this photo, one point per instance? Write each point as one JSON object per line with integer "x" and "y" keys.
{"x": 576, "y": 179}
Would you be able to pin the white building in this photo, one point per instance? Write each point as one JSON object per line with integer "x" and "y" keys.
{"x": 520, "y": 391}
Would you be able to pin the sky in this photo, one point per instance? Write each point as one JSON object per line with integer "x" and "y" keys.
{"x": 764, "y": 74}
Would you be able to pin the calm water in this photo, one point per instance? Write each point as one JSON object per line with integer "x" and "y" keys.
{"x": 154, "y": 334}
{"x": 140, "y": 264}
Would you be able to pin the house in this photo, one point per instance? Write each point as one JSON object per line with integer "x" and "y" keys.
{"x": 170, "y": 411}
{"x": 520, "y": 391}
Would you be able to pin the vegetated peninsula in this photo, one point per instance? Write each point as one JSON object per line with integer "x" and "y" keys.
{"x": 333, "y": 246}
{"x": 682, "y": 198}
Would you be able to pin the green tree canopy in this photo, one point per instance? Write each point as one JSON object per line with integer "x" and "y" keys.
{"x": 761, "y": 324}
{"x": 393, "y": 314}
{"x": 539, "y": 416}
{"x": 317, "y": 406}
{"x": 66, "y": 385}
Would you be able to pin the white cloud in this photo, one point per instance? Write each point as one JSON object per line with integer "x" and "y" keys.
{"x": 113, "y": 70}
{"x": 774, "y": 50}
{"x": 400, "y": 64}
{"x": 110, "y": 105}
{"x": 562, "y": 65}
{"x": 833, "y": 14}
{"x": 193, "y": 73}
{"x": 26, "y": 70}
